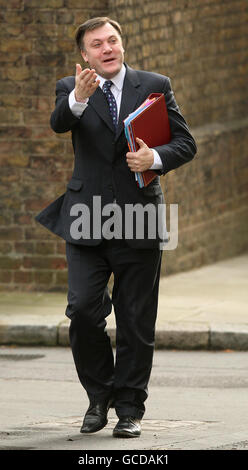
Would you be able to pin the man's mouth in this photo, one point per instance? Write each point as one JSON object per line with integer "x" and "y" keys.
{"x": 109, "y": 60}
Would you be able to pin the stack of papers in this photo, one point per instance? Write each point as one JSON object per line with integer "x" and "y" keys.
{"x": 132, "y": 144}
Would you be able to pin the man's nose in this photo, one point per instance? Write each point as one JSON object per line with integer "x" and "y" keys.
{"x": 107, "y": 48}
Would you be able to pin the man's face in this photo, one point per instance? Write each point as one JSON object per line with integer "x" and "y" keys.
{"x": 103, "y": 50}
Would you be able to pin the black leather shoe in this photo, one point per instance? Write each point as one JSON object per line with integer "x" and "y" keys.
{"x": 127, "y": 426}
{"x": 96, "y": 416}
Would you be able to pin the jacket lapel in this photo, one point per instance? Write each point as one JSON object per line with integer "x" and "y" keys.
{"x": 100, "y": 105}
{"x": 130, "y": 96}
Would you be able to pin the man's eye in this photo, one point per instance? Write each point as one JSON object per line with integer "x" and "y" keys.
{"x": 97, "y": 44}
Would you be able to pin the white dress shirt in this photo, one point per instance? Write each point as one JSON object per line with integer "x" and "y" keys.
{"x": 77, "y": 108}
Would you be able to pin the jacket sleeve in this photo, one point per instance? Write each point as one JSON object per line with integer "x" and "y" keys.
{"x": 182, "y": 146}
{"x": 62, "y": 119}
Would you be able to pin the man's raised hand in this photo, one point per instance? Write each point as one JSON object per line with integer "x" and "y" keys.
{"x": 85, "y": 83}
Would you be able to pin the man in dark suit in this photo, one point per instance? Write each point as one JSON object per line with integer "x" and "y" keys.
{"x": 92, "y": 105}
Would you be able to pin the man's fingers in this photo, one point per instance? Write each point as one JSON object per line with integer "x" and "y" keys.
{"x": 96, "y": 84}
{"x": 130, "y": 155}
{"x": 131, "y": 160}
{"x": 92, "y": 83}
{"x": 141, "y": 142}
{"x": 90, "y": 77}
{"x": 78, "y": 69}
{"x": 82, "y": 73}
{"x": 87, "y": 77}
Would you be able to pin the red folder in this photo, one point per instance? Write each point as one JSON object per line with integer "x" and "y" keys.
{"x": 153, "y": 127}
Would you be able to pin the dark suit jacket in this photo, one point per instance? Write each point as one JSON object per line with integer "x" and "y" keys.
{"x": 100, "y": 154}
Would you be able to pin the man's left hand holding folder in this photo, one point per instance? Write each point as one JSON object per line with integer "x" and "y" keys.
{"x": 141, "y": 160}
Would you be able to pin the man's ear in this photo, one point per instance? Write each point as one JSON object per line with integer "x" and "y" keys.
{"x": 84, "y": 55}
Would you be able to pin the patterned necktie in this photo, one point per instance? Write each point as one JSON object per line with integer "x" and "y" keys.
{"x": 111, "y": 101}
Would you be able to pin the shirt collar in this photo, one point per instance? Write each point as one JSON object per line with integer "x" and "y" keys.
{"x": 117, "y": 79}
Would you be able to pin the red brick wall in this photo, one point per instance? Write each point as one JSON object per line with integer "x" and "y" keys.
{"x": 201, "y": 45}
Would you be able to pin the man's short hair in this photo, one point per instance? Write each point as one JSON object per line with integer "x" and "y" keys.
{"x": 92, "y": 24}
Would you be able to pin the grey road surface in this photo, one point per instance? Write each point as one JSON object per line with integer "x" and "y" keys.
{"x": 197, "y": 400}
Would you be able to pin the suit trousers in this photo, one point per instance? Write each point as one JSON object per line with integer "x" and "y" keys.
{"x": 136, "y": 274}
